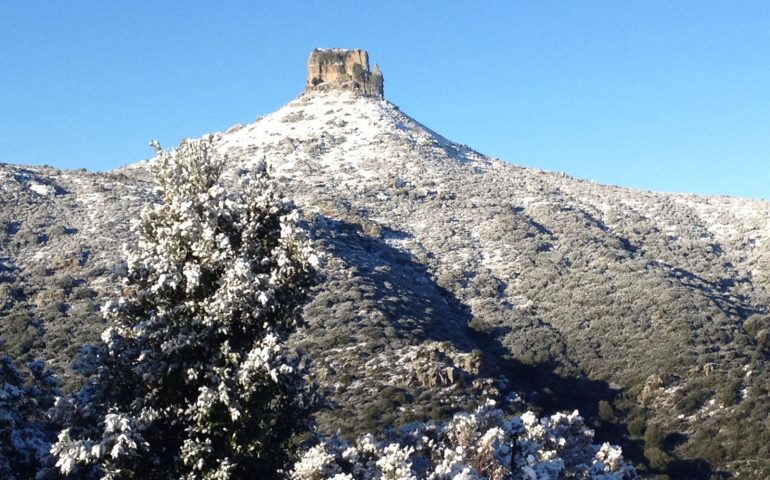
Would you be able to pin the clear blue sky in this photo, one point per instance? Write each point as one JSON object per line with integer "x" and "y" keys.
{"x": 662, "y": 95}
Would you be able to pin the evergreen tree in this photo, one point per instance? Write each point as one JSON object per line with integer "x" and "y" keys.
{"x": 192, "y": 380}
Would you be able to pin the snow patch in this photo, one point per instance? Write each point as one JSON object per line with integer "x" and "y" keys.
{"x": 42, "y": 189}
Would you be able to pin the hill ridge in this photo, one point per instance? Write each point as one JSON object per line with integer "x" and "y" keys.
{"x": 449, "y": 277}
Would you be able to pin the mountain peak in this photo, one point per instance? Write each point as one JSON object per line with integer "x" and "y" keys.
{"x": 344, "y": 69}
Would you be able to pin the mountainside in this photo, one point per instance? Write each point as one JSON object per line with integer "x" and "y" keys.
{"x": 449, "y": 277}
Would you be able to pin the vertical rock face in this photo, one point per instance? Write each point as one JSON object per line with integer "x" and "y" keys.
{"x": 344, "y": 69}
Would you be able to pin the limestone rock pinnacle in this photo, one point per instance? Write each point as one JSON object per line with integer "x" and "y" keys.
{"x": 343, "y": 69}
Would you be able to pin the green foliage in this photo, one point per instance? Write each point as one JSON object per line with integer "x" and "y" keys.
{"x": 637, "y": 427}
{"x": 728, "y": 394}
{"x": 653, "y": 436}
{"x": 693, "y": 399}
{"x": 657, "y": 458}
{"x": 606, "y": 412}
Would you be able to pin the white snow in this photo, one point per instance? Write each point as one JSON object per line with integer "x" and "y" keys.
{"x": 41, "y": 189}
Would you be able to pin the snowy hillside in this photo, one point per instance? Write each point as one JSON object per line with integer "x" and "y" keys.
{"x": 620, "y": 286}
{"x": 450, "y": 277}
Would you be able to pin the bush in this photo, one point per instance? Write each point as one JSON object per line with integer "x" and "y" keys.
{"x": 484, "y": 444}
{"x": 657, "y": 458}
{"x": 636, "y": 427}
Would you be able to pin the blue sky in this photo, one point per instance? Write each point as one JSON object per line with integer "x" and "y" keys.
{"x": 660, "y": 95}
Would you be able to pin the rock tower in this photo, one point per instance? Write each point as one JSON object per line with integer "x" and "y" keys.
{"x": 344, "y": 69}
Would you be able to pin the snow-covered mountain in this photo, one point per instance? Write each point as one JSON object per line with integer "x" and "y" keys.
{"x": 449, "y": 277}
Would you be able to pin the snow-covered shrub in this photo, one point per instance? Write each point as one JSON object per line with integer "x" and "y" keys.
{"x": 192, "y": 380}
{"x": 25, "y": 433}
{"x": 485, "y": 444}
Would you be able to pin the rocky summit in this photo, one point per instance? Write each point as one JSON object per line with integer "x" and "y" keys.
{"x": 450, "y": 277}
{"x": 344, "y": 69}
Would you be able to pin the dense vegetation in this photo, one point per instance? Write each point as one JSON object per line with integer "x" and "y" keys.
{"x": 26, "y": 394}
{"x": 191, "y": 378}
{"x": 450, "y": 278}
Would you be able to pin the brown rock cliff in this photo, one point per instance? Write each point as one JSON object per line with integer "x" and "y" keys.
{"x": 343, "y": 69}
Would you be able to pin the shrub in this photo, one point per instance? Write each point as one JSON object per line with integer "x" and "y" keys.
{"x": 484, "y": 444}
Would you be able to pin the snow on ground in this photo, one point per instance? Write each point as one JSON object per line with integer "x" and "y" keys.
{"x": 347, "y": 137}
{"x": 41, "y": 189}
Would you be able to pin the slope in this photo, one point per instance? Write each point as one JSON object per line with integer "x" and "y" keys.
{"x": 646, "y": 292}
{"x": 450, "y": 276}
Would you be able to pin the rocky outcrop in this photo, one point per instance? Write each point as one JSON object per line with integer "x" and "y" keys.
{"x": 344, "y": 69}
{"x": 441, "y": 364}
{"x": 652, "y": 388}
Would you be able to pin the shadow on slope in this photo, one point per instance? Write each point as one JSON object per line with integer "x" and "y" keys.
{"x": 548, "y": 392}
{"x": 380, "y": 300}
{"x": 373, "y": 285}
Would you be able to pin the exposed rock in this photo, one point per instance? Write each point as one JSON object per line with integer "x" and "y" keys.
{"x": 651, "y": 388}
{"x": 343, "y": 69}
{"x": 443, "y": 365}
